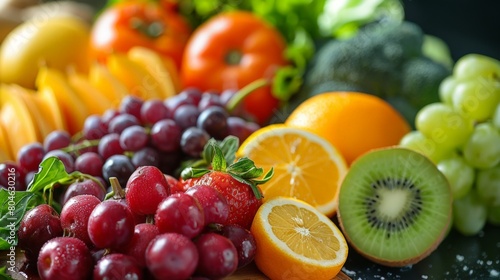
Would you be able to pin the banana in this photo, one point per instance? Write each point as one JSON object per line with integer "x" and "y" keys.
{"x": 72, "y": 107}
{"x": 137, "y": 80}
{"x": 15, "y": 118}
{"x": 95, "y": 101}
{"x": 102, "y": 79}
{"x": 159, "y": 68}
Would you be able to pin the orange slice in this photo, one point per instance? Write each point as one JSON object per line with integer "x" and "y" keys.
{"x": 5, "y": 152}
{"x": 95, "y": 101}
{"x": 306, "y": 166}
{"x": 72, "y": 107}
{"x": 137, "y": 80}
{"x": 20, "y": 127}
{"x": 158, "y": 68}
{"x": 296, "y": 241}
{"x": 102, "y": 79}
{"x": 43, "y": 108}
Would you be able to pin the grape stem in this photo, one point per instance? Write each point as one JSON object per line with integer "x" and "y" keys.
{"x": 244, "y": 92}
{"x": 84, "y": 144}
{"x": 117, "y": 190}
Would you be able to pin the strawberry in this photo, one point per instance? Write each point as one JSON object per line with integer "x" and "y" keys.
{"x": 237, "y": 182}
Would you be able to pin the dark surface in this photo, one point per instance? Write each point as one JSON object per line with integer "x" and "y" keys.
{"x": 458, "y": 257}
{"x": 467, "y": 26}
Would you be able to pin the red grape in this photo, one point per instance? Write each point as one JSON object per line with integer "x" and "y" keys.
{"x": 131, "y": 105}
{"x": 86, "y": 186}
{"x": 180, "y": 213}
{"x": 38, "y": 225}
{"x": 214, "y": 121}
{"x": 193, "y": 140}
{"x": 64, "y": 258}
{"x": 89, "y": 163}
{"x": 109, "y": 145}
{"x": 111, "y": 225}
{"x": 218, "y": 256}
{"x": 57, "y": 139}
{"x": 134, "y": 138}
{"x": 152, "y": 111}
{"x": 30, "y": 156}
{"x": 214, "y": 204}
{"x": 166, "y": 135}
{"x": 136, "y": 248}
{"x": 244, "y": 242}
{"x": 171, "y": 256}
{"x": 117, "y": 266}
{"x": 145, "y": 189}
{"x": 75, "y": 216}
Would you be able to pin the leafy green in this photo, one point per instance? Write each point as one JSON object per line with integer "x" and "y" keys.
{"x": 14, "y": 204}
{"x": 3, "y": 273}
{"x": 343, "y": 18}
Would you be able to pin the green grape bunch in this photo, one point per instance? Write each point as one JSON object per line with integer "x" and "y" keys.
{"x": 461, "y": 135}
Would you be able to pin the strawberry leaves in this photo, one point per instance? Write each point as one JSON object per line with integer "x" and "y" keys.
{"x": 243, "y": 170}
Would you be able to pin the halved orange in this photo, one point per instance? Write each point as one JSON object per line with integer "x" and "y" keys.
{"x": 306, "y": 166}
{"x": 353, "y": 122}
{"x": 296, "y": 241}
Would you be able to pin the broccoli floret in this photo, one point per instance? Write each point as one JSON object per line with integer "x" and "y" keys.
{"x": 378, "y": 60}
{"x": 372, "y": 58}
{"x": 421, "y": 79}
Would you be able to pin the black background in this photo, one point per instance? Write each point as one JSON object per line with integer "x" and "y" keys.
{"x": 467, "y": 26}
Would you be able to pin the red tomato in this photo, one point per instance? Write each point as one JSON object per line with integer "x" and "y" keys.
{"x": 146, "y": 24}
{"x": 231, "y": 50}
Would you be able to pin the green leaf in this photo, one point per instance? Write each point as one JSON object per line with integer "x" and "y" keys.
{"x": 218, "y": 161}
{"x": 245, "y": 168}
{"x": 191, "y": 172}
{"x": 266, "y": 178}
{"x": 51, "y": 171}
{"x": 3, "y": 273}
{"x": 14, "y": 205}
{"x": 286, "y": 82}
{"x": 229, "y": 146}
{"x": 208, "y": 152}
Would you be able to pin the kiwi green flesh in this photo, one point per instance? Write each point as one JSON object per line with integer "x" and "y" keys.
{"x": 394, "y": 206}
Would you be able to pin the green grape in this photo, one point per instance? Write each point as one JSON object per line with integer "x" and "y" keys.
{"x": 473, "y": 65}
{"x": 482, "y": 149}
{"x": 416, "y": 141}
{"x": 459, "y": 173}
{"x": 444, "y": 125}
{"x": 488, "y": 185}
{"x": 469, "y": 214}
{"x": 494, "y": 215}
{"x": 495, "y": 120}
{"x": 446, "y": 89}
{"x": 476, "y": 98}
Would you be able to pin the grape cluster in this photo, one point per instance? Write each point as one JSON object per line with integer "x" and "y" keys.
{"x": 139, "y": 132}
{"x": 461, "y": 134}
{"x": 152, "y": 229}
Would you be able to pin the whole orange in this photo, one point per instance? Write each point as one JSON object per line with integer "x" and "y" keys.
{"x": 353, "y": 122}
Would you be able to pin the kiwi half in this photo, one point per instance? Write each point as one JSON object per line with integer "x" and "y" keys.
{"x": 394, "y": 206}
